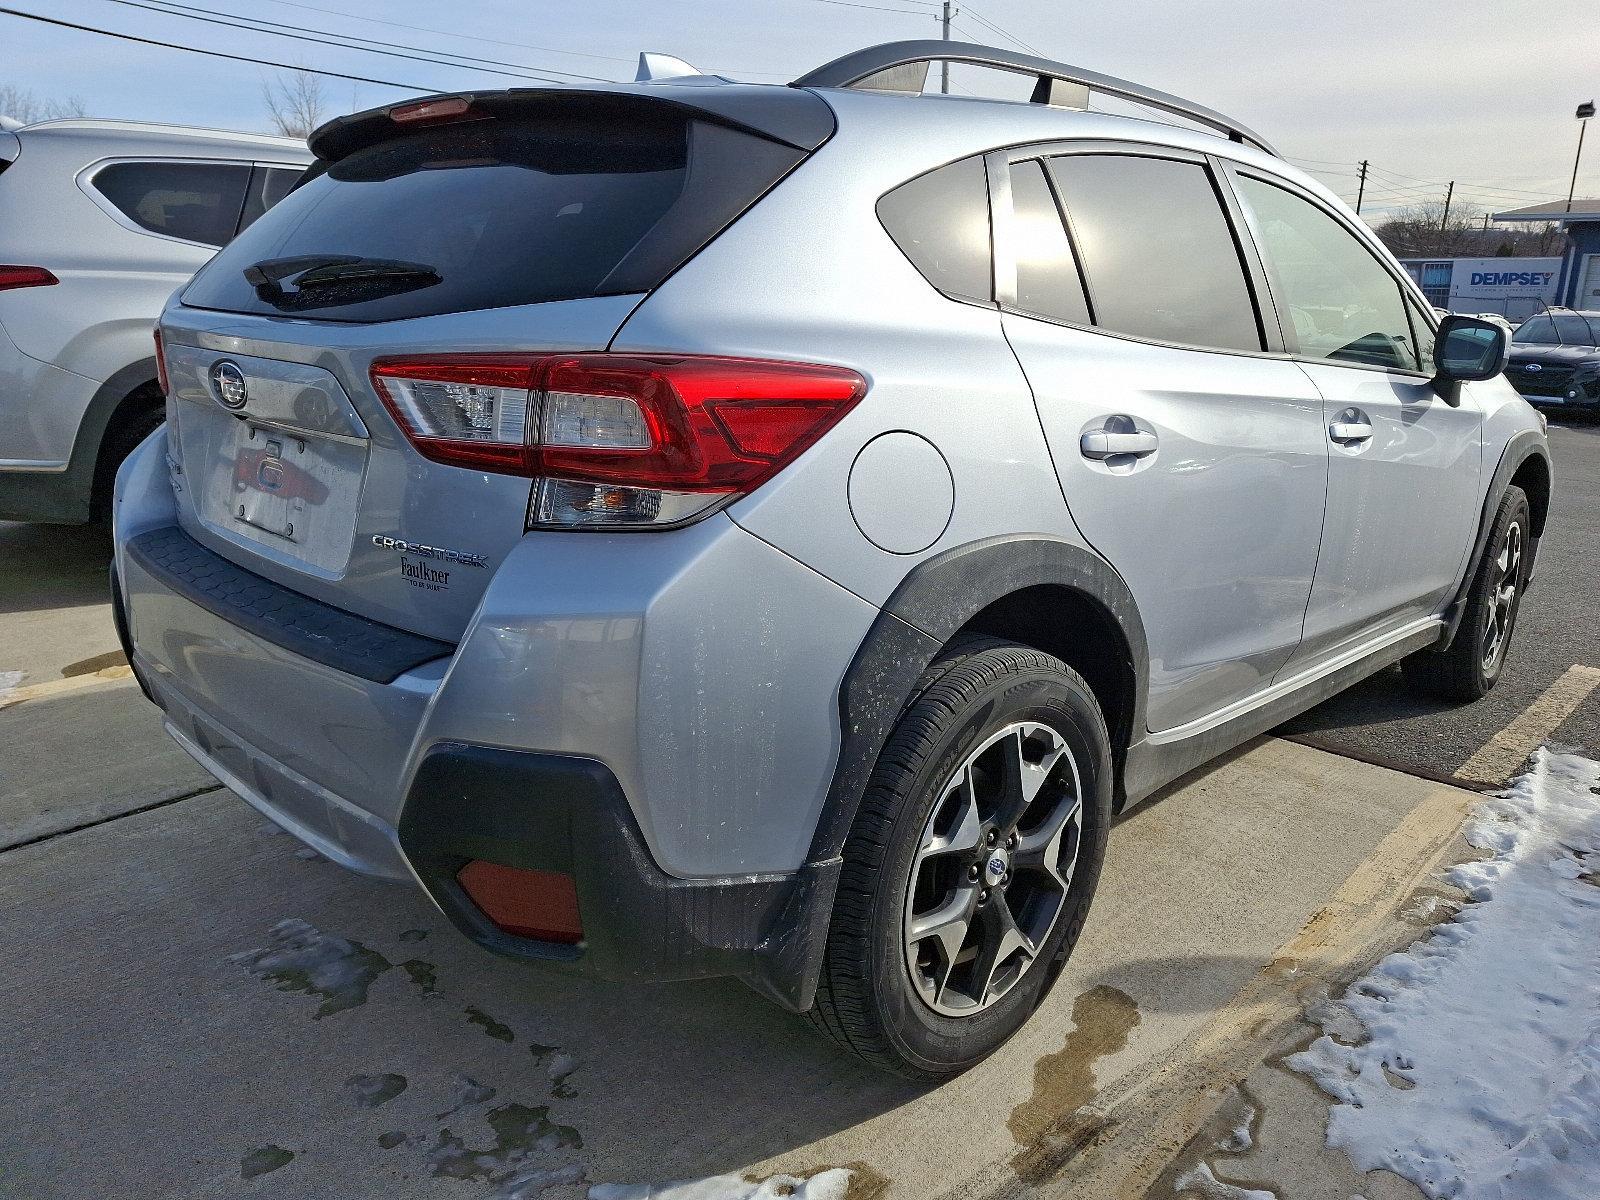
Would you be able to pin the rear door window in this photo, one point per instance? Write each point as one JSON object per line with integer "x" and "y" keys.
{"x": 1048, "y": 283}
{"x": 493, "y": 213}
{"x": 1158, "y": 250}
{"x": 198, "y": 202}
{"x": 268, "y": 185}
{"x": 940, "y": 221}
{"x": 1343, "y": 305}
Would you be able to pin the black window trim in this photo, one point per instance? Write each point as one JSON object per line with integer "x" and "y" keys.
{"x": 86, "y": 184}
{"x": 1000, "y": 220}
{"x": 1412, "y": 300}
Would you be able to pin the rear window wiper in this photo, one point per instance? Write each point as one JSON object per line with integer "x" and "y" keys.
{"x": 325, "y": 270}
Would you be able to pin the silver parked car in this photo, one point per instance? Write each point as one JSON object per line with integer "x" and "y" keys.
{"x": 99, "y": 222}
{"x": 702, "y": 529}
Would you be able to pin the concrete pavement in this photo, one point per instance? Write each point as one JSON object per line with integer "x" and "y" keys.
{"x": 167, "y": 1035}
{"x": 194, "y": 1006}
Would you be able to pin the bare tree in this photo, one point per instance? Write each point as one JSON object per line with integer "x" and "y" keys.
{"x": 26, "y": 106}
{"x": 297, "y": 104}
{"x": 1425, "y": 231}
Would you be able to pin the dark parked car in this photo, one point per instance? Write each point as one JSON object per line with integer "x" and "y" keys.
{"x": 1555, "y": 358}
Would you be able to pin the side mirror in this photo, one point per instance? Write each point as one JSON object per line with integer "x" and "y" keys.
{"x": 1467, "y": 349}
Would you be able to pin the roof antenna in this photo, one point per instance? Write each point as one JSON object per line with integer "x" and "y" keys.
{"x": 662, "y": 66}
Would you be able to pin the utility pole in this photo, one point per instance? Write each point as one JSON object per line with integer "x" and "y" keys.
{"x": 1361, "y": 190}
{"x": 1445, "y": 220}
{"x": 1585, "y": 111}
{"x": 950, "y": 10}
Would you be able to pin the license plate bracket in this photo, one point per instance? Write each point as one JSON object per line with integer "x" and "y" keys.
{"x": 276, "y": 478}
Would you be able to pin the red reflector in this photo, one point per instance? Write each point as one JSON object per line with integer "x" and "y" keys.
{"x": 429, "y": 110}
{"x": 531, "y": 904}
{"x": 161, "y": 362}
{"x": 21, "y": 277}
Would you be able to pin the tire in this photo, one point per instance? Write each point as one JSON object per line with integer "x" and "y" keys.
{"x": 932, "y": 1018}
{"x": 1470, "y": 666}
{"x": 139, "y": 416}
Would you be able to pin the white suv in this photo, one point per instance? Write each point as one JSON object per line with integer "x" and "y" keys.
{"x": 99, "y": 222}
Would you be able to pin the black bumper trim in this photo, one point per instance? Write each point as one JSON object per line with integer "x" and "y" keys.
{"x": 353, "y": 644}
{"x": 552, "y": 812}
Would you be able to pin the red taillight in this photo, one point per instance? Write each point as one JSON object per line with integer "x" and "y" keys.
{"x": 531, "y": 904}
{"x": 23, "y": 277}
{"x": 616, "y": 440}
{"x": 161, "y": 363}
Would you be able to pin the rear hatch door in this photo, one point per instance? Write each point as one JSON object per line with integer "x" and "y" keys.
{"x": 523, "y": 223}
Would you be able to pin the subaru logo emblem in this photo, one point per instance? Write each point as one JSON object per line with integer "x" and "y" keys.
{"x": 994, "y": 871}
{"x": 228, "y": 385}
{"x": 1533, "y": 367}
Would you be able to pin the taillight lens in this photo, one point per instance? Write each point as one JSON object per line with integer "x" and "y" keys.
{"x": 24, "y": 277}
{"x": 161, "y": 363}
{"x": 614, "y": 440}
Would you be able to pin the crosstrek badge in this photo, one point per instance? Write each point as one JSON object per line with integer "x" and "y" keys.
{"x": 423, "y": 550}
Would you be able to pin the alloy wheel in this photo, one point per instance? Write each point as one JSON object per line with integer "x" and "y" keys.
{"x": 1506, "y": 579}
{"x": 992, "y": 869}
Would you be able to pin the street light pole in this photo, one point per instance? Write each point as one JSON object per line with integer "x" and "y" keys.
{"x": 1585, "y": 111}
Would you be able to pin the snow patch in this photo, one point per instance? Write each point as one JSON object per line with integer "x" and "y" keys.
{"x": 1479, "y": 1078}
{"x": 9, "y": 682}
{"x": 824, "y": 1185}
{"x": 1200, "y": 1179}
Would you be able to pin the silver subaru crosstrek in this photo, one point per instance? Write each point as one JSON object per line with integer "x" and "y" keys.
{"x": 701, "y": 529}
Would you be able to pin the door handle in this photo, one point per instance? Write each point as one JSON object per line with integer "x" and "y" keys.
{"x": 1351, "y": 425}
{"x": 1109, "y": 443}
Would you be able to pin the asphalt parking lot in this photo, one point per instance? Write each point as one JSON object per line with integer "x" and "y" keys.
{"x": 195, "y": 1007}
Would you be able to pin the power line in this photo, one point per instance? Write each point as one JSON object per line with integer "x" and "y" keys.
{"x": 259, "y": 62}
{"x": 306, "y": 37}
{"x": 488, "y": 41}
{"x": 336, "y": 12}
{"x": 185, "y": 10}
{"x": 1012, "y": 38}
{"x": 910, "y": 12}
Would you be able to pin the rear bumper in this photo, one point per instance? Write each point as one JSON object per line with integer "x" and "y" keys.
{"x": 551, "y": 812}
{"x": 653, "y": 727}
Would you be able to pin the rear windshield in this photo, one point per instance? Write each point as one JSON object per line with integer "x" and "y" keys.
{"x": 492, "y": 213}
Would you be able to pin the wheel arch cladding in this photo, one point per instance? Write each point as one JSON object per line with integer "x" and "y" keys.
{"x": 1533, "y": 477}
{"x": 1043, "y": 591}
{"x": 1524, "y": 463}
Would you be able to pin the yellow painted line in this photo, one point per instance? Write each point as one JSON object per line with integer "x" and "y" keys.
{"x": 1507, "y": 750}
{"x": 1145, "y": 1126}
{"x": 57, "y": 687}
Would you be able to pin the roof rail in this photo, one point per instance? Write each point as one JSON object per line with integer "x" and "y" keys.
{"x": 891, "y": 67}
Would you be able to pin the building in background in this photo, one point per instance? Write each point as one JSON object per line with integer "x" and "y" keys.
{"x": 1578, "y": 283}
{"x": 1514, "y": 287}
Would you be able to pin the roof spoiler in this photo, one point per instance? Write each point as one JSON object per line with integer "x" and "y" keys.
{"x": 785, "y": 115}
{"x": 902, "y": 67}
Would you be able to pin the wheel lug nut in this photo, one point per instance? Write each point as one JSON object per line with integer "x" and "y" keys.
{"x": 993, "y": 837}
{"x": 1011, "y": 842}
{"x": 983, "y": 896}
{"x": 972, "y": 871}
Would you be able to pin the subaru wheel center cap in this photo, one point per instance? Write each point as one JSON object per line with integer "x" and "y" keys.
{"x": 995, "y": 867}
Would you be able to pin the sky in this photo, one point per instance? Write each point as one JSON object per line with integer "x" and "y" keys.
{"x": 1482, "y": 92}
